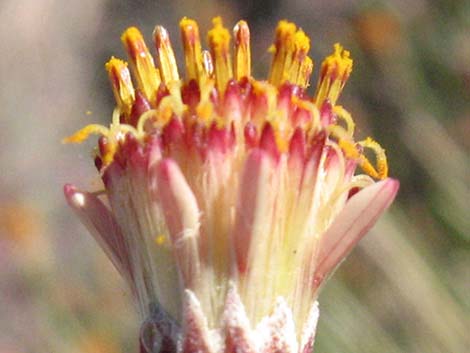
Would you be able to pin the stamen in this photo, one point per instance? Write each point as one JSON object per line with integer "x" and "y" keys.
{"x": 192, "y": 48}
{"x": 219, "y": 43}
{"x": 121, "y": 83}
{"x": 381, "y": 172}
{"x": 349, "y": 147}
{"x": 314, "y": 124}
{"x": 149, "y": 114}
{"x": 142, "y": 65}
{"x": 242, "y": 62}
{"x": 301, "y": 46}
{"x": 114, "y": 133}
{"x": 166, "y": 56}
{"x": 346, "y": 117}
{"x": 283, "y": 45}
{"x": 205, "y": 107}
{"x": 82, "y": 134}
{"x": 262, "y": 88}
{"x": 335, "y": 71}
{"x": 306, "y": 69}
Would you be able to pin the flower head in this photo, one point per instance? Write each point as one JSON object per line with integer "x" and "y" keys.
{"x": 228, "y": 200}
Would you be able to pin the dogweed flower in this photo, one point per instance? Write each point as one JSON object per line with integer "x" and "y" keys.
{"x": 228, "y": 201}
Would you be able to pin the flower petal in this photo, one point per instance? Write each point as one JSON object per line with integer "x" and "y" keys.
{"x": 101, "y": 224}
{"x": 256, "y": 239}
{"x": 351, "y": 224}
{"x": 182, "y": 216}
{"x": 253, "y": 208}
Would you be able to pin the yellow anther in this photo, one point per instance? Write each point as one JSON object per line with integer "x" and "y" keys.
{"x": 192, "y": 48}
{"x": 113, "y": 134}
{"x": 205, "y": 111}
{"x": 205, "y": 108}
{"x": 301, "y": 45}
{"x": 242, "y": 60}
{"x": 306, "y": 69}
{"x": 300, "y": 48}
{"x": 206, "y": 90}
{"x": 108, "y": 156}
{"x": 82, "y": 134}
{"x": 219, "y": 43}
{"x": 166, "y": 56}
{"x": 281, "y": 135}
{"x": 344, "y": 115}
{"x": 349, "y": 149}
{"x": 381, "y": 172}
{"x": 142, "y": 64}
{"x": 165, "y": 113}
{"x": 121, "y": 84}
{"x": 334, "y": 73}
{"x": 168, "y": 107}
{"x": 283, "y": 45}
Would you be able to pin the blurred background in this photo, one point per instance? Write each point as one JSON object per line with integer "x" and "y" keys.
{"x": 406, "y": 288}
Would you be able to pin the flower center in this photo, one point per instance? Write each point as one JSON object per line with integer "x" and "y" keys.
{"x": 220, "y": 98}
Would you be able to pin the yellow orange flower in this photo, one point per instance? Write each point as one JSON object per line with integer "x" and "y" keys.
{"x": 229, "y": 200}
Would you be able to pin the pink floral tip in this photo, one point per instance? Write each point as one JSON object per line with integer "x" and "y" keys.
{"x": 228, "y": 201}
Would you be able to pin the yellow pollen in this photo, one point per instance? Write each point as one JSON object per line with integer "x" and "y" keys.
{"x": 381, "y": 172}
{"x": 160, "y": 239}
{"x": 114, "y": 133}
{"x": 334, "y": 73}
{"x": 205, "y": 107}
{"x": 262, "y": 88}
{"x": 283, "y": 46}
{"x": 121, "y": 84}
{"x": 242, "y": 61}
{"x": 204, "y": 111}
{"x": 306, "y": 69}
{"x": 281, "y": 136}
{"x": 142, "y": 65}
{"x": 219, "y": 43}
{"x": 344, "y": 115}
{"x": 192, "y": 48}
{"x": 82, "y": 134}
{"x": 350, "y": 151}
{"x": 296, "y": 72}
{"x": 212, "y": 70}
{"x": 166, "y": 56}
{"x": 349, "y": 148}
